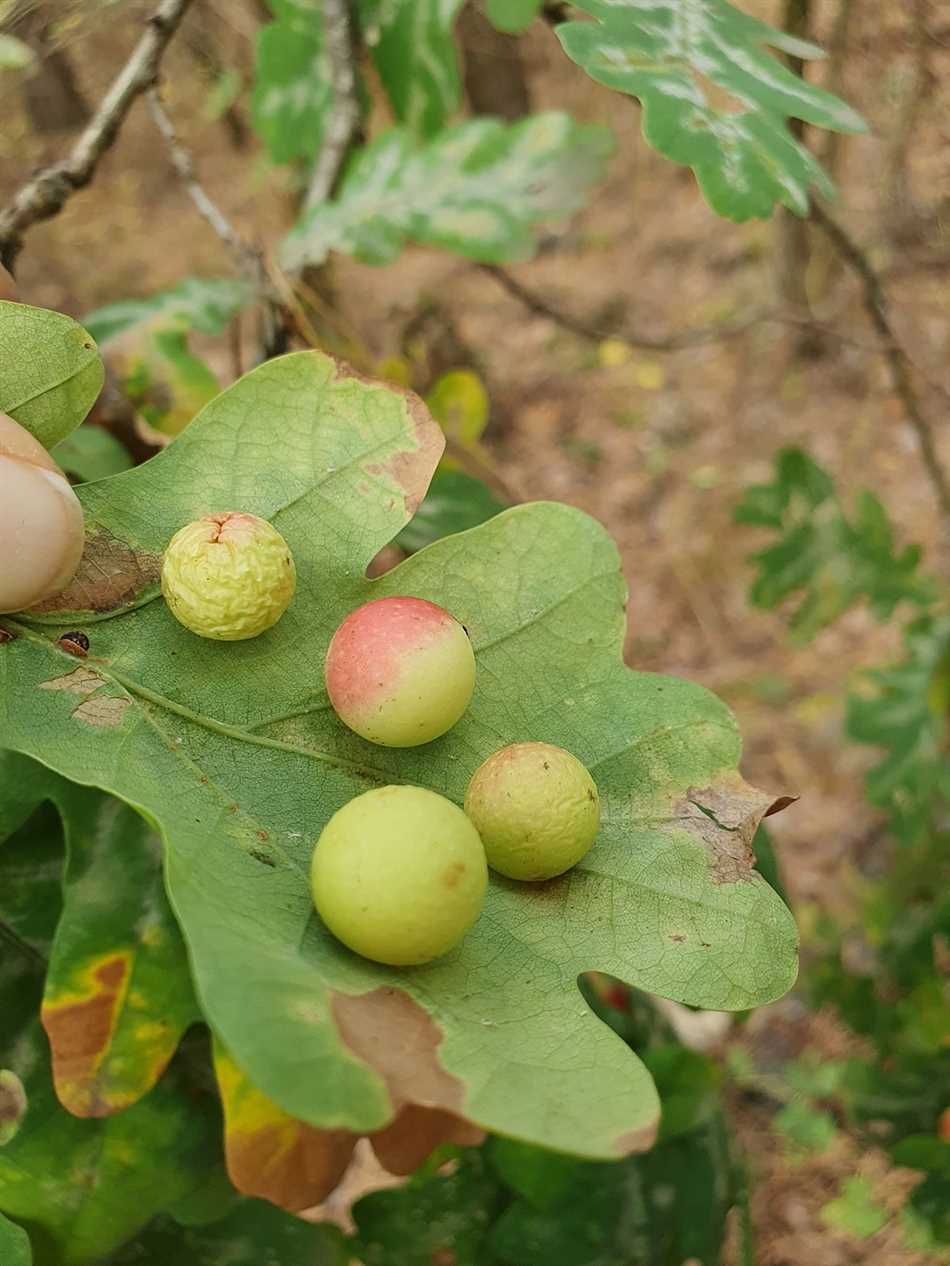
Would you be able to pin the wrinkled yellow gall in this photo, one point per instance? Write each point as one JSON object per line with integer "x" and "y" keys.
{"x": 228, "y": 576}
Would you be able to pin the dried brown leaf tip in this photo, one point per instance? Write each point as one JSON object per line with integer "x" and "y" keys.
{"x": 726, "y": 816}
{"x": 397, "y": 1038}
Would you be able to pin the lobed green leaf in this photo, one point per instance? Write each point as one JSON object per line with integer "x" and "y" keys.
{"x": 412, "y": 46}
{"x": 478, "y": 189}
{"x": 233, "y": 752}
{"x": 833, "y": 561}
{"x": 664, "y": 51}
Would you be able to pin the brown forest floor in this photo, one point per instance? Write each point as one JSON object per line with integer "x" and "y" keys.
{"x": 658, "y": 448}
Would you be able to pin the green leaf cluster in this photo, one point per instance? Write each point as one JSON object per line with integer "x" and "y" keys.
{"x": 744, "y": 157}
{"x": 828, "y": 559}
{"x": 507, "y": 1204}
{"x": 183, "y": 895}
{"x": 479, "y": 189}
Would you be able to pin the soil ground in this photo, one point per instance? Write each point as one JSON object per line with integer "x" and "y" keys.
{"x": 657, "y": 446}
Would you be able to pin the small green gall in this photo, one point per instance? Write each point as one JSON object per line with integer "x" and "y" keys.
{"x": 41, "y": 522}
{"x": 228, "y": 576}
{"x": 536, "y": 809}
{"x": 400, "y": 671}
{"x": 399, "y": 875}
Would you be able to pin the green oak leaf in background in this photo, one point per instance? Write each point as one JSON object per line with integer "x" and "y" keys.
{"x": 50, "y": 371}
{"x": 145, "y": 344}
{"x": 478, "y": 189}
{"x": 14, "y": 1244}
{"x": 117, "y": 993}
{"x": 292, "y": 81}
{"x": 745, "y": 160}
{"x": 510, "y": 1205}
{"x": 834, "y": 561}
{"x": 252, "y": 1234}
{"x": 412, "y": 46}
{"x": 83, "y": 1187}
{"x": 512, "y": 16}
{"x": 89, "y": 453}
{"x": 233, "y": 752}
{"x": 204, "y": 304}
{"x": 905, "y": 709}
{"x": 455, "y": 502}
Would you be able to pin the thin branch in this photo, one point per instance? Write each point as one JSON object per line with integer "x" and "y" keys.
{"x": 589, "y": 330}
{"x": 248, "y": 259}
{"x": 344, "y": 116}
{"x": 875, "y": 304}
{"x": 47, "y": 193}
{"x": 272, "y": 332}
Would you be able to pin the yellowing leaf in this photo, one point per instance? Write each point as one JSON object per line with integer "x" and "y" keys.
{"x": 459, "y": 403}
{"x": 612, "y": 353}
{"x": 650, "y": 376}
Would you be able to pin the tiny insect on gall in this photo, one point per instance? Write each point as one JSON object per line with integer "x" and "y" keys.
{"x": 75, "y": 644}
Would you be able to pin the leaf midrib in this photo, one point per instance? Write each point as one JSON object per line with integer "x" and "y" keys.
{"x": 51, "y": 386}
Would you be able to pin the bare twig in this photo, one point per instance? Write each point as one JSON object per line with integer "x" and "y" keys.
{"x": 46, "y": 194}
{"x": 589, "y": 330}
{"x": 875, "y": 304}
{"x": 248, "y": 259}
{"x": 344, "y": 116}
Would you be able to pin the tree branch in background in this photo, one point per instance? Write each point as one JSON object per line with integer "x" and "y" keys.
{"x": 590, "y": 330}
{"x": 344, "y": 114}
{"x": 247, "y": 258}
{"x": 272, "y": 335}
{"x": 875, "y": 304}
{"x": 47, "y": 193}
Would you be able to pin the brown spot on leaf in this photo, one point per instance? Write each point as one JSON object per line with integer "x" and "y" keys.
{"x": 410, "y": 469}
{"x": 80, "y": 1030}
{"x": 111, "y": 575}
{"x": 638, "y": 1140}
{"x": 678, "y": 937}
{"x": 443, "y": 1257}
{"x": 416, "y": 1133}
{"x": 399, "y": 1039}
{"x": 104, "y": 712}
{"x": 13, "y": 1104}
{"x": 81, "y": 681}
{"x": 287, "y": 1162}
{"x": 271, "y": 1154}
{"x": 726, "y": 817}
